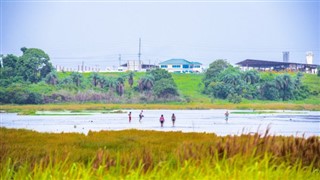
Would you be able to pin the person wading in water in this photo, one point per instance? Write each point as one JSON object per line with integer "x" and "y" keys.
{"x": 173, "y": 118}
{"x": 129, "y": 117}
{"x": 161, "y": 120}
{"x": 140, "y": 116}
{"x": 227, "y": 116}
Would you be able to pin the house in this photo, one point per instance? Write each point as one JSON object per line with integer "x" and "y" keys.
{"x": 181, "y": 66}
{"x": 264, "y": 65}
{"x": 133, "y": 65}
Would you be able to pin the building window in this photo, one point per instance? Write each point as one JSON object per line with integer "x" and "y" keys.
{"x": 196, "y": 66}
{"x": 185, "y": 66}
{"x": 176, "y": 66}
{"x": 164, "y": 66}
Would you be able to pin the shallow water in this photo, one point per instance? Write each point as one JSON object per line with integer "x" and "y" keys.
{"x": 287, "y": 123}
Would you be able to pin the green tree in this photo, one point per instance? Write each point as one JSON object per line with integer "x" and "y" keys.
{"x": 146, "y": 83}
{"x": 120, "y": 88}
{"x": 159, "y": 74}
{"x": 165, "y": 88}
{"x": 251, "y": 76}
{"x": 10, "y": 66}
{"x": 130, "y": 79}
{"x": 102, "y": 81}
{"x": 52, "y": 78}
{"x": 34, "y": 65}
{"x": 285, "y": 86}
{"x": 76, "y": 78}
{"x": 94, "y": 78}
{"x": 214, "y": 70}
{"x": 112, "y": 83}
{"x": 269, "y": 90}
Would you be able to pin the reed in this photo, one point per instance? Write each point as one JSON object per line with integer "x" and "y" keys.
{"x": 133, "y": 154}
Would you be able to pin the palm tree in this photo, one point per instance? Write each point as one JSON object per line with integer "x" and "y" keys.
{"x": 232, "y": 78}
{"x": 146, "y": 83}
{"x": 94, "y": 76}
{"x": 297, "y": 81}
{"x": 251, "y": 77}
{"x": 102, "y": 81}
{"x": 285, "y": 86}
{"x": 130, "y": 80}
{"x": 76, "y": 78}
{"x": 111, "y": 83}
{"x": 120, "y": 88}
{"x": 52, "y": 78}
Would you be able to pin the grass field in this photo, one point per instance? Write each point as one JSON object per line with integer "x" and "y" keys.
{"x": 134, "y": 154}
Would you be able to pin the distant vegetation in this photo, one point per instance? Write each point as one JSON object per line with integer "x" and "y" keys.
{"x": 227, "y": 82}
{"x": 31, "y": 79}
{"x": 134, "y": 154}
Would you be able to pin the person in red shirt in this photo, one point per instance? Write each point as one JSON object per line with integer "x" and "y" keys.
{"x": 161, "y": 120}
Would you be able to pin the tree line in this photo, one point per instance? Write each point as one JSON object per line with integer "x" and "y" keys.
{"x": 224, "y": 81}
{"x": 31, "y": 79}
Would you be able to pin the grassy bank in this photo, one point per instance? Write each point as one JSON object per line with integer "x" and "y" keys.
{"x": 190, "y": 89}
{"x": 133, "y": 154}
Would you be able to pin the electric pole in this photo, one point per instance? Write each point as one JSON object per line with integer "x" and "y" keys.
{"x": 119, "y": 60}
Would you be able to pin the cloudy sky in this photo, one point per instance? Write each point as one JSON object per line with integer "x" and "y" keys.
{"x": 96, "y": 32}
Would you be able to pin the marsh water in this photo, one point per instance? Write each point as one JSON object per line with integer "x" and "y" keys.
{"x": 286, "y": 123}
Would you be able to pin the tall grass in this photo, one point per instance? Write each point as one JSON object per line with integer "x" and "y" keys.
{"x": 133, "y": 154}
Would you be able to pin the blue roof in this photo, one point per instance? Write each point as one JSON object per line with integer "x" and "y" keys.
{"x": 196, "y": 63}
{"x": 177, "y": 61}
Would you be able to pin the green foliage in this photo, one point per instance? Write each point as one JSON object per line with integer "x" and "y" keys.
{"x": 18, "y": 94}
{"x": 159, "y": 74}
{"x": 232, "y": 84}
{"x": 34, "y": 65}
{"x": 77, "y": 78}
{"x": 214, "y": 70}
{"x": 269, "y": 91}
{"x": 146, "y": 83}
{"x": 130, "y": 79}
{"x": 52, "y": 78}
{"x": 94, "y": 77}
{"x": 165, "y": 88}
{"x": 251, "y": 76}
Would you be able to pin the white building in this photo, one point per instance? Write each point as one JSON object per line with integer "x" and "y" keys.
{"x": 181, "y": 66}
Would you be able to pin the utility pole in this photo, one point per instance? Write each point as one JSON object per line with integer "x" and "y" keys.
{"x": 139, "y": 55}
{"x": 119, "y": 60}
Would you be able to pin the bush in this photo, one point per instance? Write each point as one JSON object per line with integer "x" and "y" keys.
{"x": 234, "y": 98}
{"x": 165, "y": 88}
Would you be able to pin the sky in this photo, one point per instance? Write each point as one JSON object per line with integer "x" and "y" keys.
{"x": 96, "y": 32}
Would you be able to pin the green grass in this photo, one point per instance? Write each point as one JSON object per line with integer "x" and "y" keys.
{"x": 134, "y": 154}
{"x": 313, "y": 81}
{"x": 190, "y": 86}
